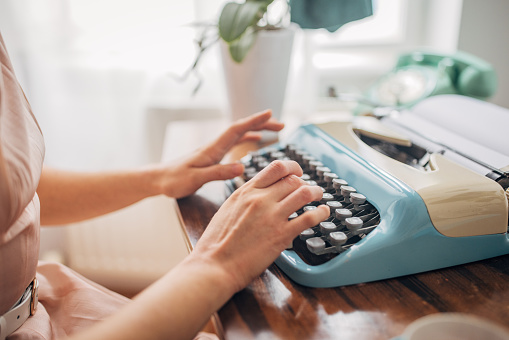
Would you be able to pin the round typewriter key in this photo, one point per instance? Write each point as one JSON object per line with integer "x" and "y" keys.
{"x": 311, "y": 182}
{"x": 357, "y": 198}
{"x": 250, "y": 176}
{"x": 299, "y": 154}
{"x": 308, "y": 208}
{"x": 329, "y": 176}
{"x": 327, "y": 227}
{"x": 306, "y": 159}
{"x": 314, "y": 164}
{"x": 305, "y": 177}
{"x": 263, "y": 164}
{"x": 333, "y": 205}
{"x": 308, "y": 233}
{"x": 337, "y": 238}
{"x": 292, "y": 216}
{"x": 315, "y": 245}
{"x": 342, "y": 214}
{"x": 277, "y": 155}
{"x": 347, "y": 190}
{"x": 337, "y": 183}
{"x": 249, "y": 170}
{"x": 326, "y": 197}
{"x": 321, "y": 170}
{"x": 353, "y": 223}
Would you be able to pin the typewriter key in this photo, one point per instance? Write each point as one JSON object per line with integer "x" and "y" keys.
{"x": 353, "y": 223}
{"x": 337, "y": 183}
{"x": 357, "y": 198}
{"x": 337, "y": 238}
{"x": 305, "y": 177}
{"x": 315, "y": 245}
{"x": 308, "y": 233}
{"x": 342, "y": 214}
{"x": 327, "y": 227}
{"x": 326, "y": 197}
{"x": 321, "y": 170}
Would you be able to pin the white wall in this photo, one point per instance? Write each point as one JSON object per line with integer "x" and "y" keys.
{"x": 484, "y": 32}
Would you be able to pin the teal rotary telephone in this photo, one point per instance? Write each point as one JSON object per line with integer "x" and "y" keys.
{"x": 419, "y": 75}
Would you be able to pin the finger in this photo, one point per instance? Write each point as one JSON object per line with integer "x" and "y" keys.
{"x": 220, "y": 172}
{"x": 272, "y": 124}
{"x": 217, "y": 149}
{"x": 285, "y": 187}
{"x": 299, "y": 198}
{"x": 309, "y": 219}
{"x": 274, "y": 172}
{"x": 250, "y": 137}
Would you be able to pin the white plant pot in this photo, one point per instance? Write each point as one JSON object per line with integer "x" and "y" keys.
{"x": 259, "y": 81}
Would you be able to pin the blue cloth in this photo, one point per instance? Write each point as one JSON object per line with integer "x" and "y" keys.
{"x": 328, "y": 14}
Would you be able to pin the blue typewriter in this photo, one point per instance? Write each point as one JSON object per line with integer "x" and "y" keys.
{"x": 409, "y": 192}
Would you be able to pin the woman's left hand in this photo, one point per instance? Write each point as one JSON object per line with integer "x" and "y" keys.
{"x": 204, "y": 166}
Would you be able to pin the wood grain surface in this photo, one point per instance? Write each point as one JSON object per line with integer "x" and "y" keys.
{"x": 275, "y": 307}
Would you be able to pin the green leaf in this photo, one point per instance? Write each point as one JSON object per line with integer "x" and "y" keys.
{"x": 236, "y": 18}
{"x": 240, "y": 47}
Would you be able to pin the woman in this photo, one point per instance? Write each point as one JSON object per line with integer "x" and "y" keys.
{"x": 179, "y": 304}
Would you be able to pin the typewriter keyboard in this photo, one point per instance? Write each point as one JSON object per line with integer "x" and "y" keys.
{"x": 352, "y": 216}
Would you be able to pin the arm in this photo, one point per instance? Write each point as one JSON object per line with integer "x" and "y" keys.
{"x": 73, "y": 196}
{"x": 233, "y": 250}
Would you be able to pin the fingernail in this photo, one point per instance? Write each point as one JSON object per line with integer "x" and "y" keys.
{"x": 237, "y": 168}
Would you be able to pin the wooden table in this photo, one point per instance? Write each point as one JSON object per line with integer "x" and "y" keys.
{"x": 275, "y": 307}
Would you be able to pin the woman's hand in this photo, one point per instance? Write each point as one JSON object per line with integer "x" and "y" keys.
{"x": 203, "y": 166}
{"x": 251, "y": 228}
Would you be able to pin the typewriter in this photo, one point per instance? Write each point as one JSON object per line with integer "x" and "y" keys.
{"x": 409, "y": 192}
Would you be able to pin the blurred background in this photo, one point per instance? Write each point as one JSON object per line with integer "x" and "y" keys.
{"x": 102, "y": 77}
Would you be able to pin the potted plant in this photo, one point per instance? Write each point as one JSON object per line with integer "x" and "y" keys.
{"x": 239, "y": 24}
{"x": 256, "y": 39}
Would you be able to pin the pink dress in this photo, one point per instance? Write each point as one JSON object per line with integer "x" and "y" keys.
{"x": 68, "y": 301}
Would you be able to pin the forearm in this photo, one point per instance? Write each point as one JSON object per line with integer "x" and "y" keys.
{"x": 175, "y": 307}
{"x": 73, "y": 196}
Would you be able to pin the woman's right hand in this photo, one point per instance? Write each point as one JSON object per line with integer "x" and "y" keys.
{"x": 252, "y": 228}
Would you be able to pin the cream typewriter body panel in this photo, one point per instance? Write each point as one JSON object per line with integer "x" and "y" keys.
{"x": 455, "y": 196}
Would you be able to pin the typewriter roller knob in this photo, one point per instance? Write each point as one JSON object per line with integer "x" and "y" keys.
{"x": 327, "y": 227}
{"x": 315, "y": 245}
{"x": 305, "y": 234}
{"x": 337, "y": 238}
{"x": 353, "y": 223}
{"x": 342, "y": 214}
